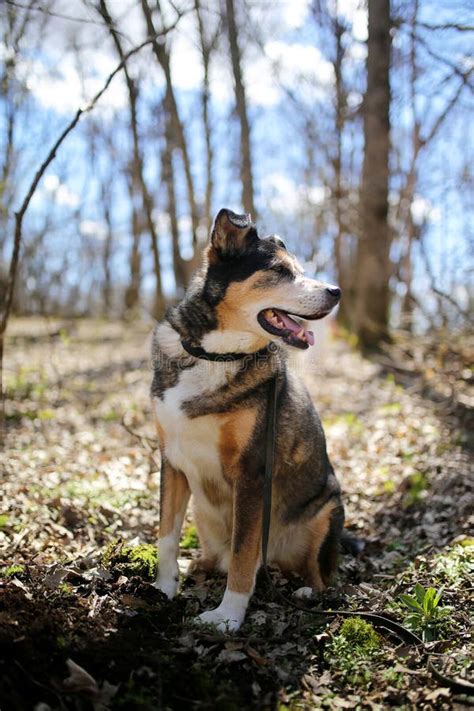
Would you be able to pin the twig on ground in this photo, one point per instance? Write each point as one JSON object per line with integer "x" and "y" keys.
{"x": 149, "y": 443}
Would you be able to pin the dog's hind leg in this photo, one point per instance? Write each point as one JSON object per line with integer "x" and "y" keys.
{"x": 207, "y": 562}
{"x": 324, "y": 550}
{"x": 328, "y": 555}
{"x": 175, "y": 495}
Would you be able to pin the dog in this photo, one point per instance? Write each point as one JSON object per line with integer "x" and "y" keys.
{"x": 250, "y": 293}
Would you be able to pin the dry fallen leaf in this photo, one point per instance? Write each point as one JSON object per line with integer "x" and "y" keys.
{"x": 79, "y": 680}
{"x": 228, "y": 656}
{"x": 261, "y": 661}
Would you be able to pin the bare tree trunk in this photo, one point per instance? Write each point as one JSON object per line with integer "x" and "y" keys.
{"x": 343, "y": 270}
{"x": 107, "y": 287}
{"x": 138, "y": 172}
{"x": 132, "y": 292}
{"x": 162, "y": 55}
{"x": 408, "y": 193}
{"x": 241, "y": 103}
{"x": 13, "y": 33}
{"x": 207, "y": 45}
{"x": 372, "y": 300}
{"x": 209, "y": 149}
{"x": 179, "y": 269}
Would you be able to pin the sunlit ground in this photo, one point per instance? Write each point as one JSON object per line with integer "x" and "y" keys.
{"x": 80, "y": 472}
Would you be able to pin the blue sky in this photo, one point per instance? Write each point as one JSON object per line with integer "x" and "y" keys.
{"x": 60, "y": 80}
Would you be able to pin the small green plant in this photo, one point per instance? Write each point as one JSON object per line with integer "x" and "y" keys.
{"x": 18, "y": 385}
{"x": 111, "y": 415}
{"x": 417, "y": 488}
{"x": 456, "y": 565}
{"x": 4, "y": 521}
{"x": 12, "y": 570}
{"x": 46, "y": 414}
{"x": 393, "y": 677}
{"x": 64, "y": 336}
{"x": 391, "y": 408}
{"x": 190, "y": 538}
{"x": 350, "y": 651}
{"x": 66, "y": 590}
{"x": 426, "y": 614}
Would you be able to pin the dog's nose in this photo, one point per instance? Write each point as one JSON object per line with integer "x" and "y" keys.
{"x": 334, "y": 291}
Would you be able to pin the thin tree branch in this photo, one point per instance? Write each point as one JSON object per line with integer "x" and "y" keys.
{"x": 51, "y": 13}
{"x": 442, "y": 295}
{"x": 442, "y": 116}
{"x": 446, "y": 26}
{"x": 444, "y": 60}
{"x": 19, "y": 215}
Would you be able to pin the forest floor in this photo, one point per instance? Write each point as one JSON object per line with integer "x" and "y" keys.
{"x": 81, "y": 626}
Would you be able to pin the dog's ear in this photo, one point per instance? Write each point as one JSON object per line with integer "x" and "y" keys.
{"x": 232, "y": 234}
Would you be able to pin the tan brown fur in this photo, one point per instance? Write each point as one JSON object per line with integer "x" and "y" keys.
{"x": 299, "y": 453}
{"x": 246, "y": 549}
{"x": 238, "y": 296}
{"x": 214, "y": 492}
{"x": 175, "y": 494}
{"x": 319, "y": 530}
{"x": 202, "y": 565}
{"x": 212, "y": 529}
{"x": 282, "y": 257}
{"x": 235, "y": 434}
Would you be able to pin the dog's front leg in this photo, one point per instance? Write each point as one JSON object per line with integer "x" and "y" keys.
{"x": 245, "y": 557}
{"x": 174, "y": 499}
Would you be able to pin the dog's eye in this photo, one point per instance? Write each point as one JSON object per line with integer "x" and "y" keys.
{"x": 283, "y": 271}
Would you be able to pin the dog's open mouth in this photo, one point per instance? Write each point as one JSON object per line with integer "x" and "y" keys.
{"x": 289, "y": 328}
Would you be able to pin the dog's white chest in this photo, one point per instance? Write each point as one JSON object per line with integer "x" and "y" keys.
{"x": 191, "y": 444}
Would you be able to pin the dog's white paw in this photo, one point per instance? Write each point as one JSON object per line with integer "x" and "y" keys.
{"x": 229, "y": 615}
{"x": 303, "y": 593}
{"x": 168, "y": 585}
{"x": 224, "y": 621}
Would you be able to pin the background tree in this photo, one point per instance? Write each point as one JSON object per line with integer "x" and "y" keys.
{"x": 245, "y": 159}
{"x": 373, "y": 269}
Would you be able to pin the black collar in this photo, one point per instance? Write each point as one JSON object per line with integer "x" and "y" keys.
{"x": 199, "y": 352}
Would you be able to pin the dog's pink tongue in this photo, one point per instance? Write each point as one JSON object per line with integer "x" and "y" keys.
{"x": 295, "y": 327}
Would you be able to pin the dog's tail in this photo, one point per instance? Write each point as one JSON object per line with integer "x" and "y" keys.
{"x": 352, "y": 545}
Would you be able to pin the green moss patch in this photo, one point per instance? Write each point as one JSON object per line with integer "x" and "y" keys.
{"x": 360, "y": 635}
{"x": 351, "y": 649}
{"x": 12, "y": 570}
{"x": 139, "y": 560}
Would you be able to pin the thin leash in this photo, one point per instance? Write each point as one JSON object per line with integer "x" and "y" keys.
{"x": 458, "y": 686}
